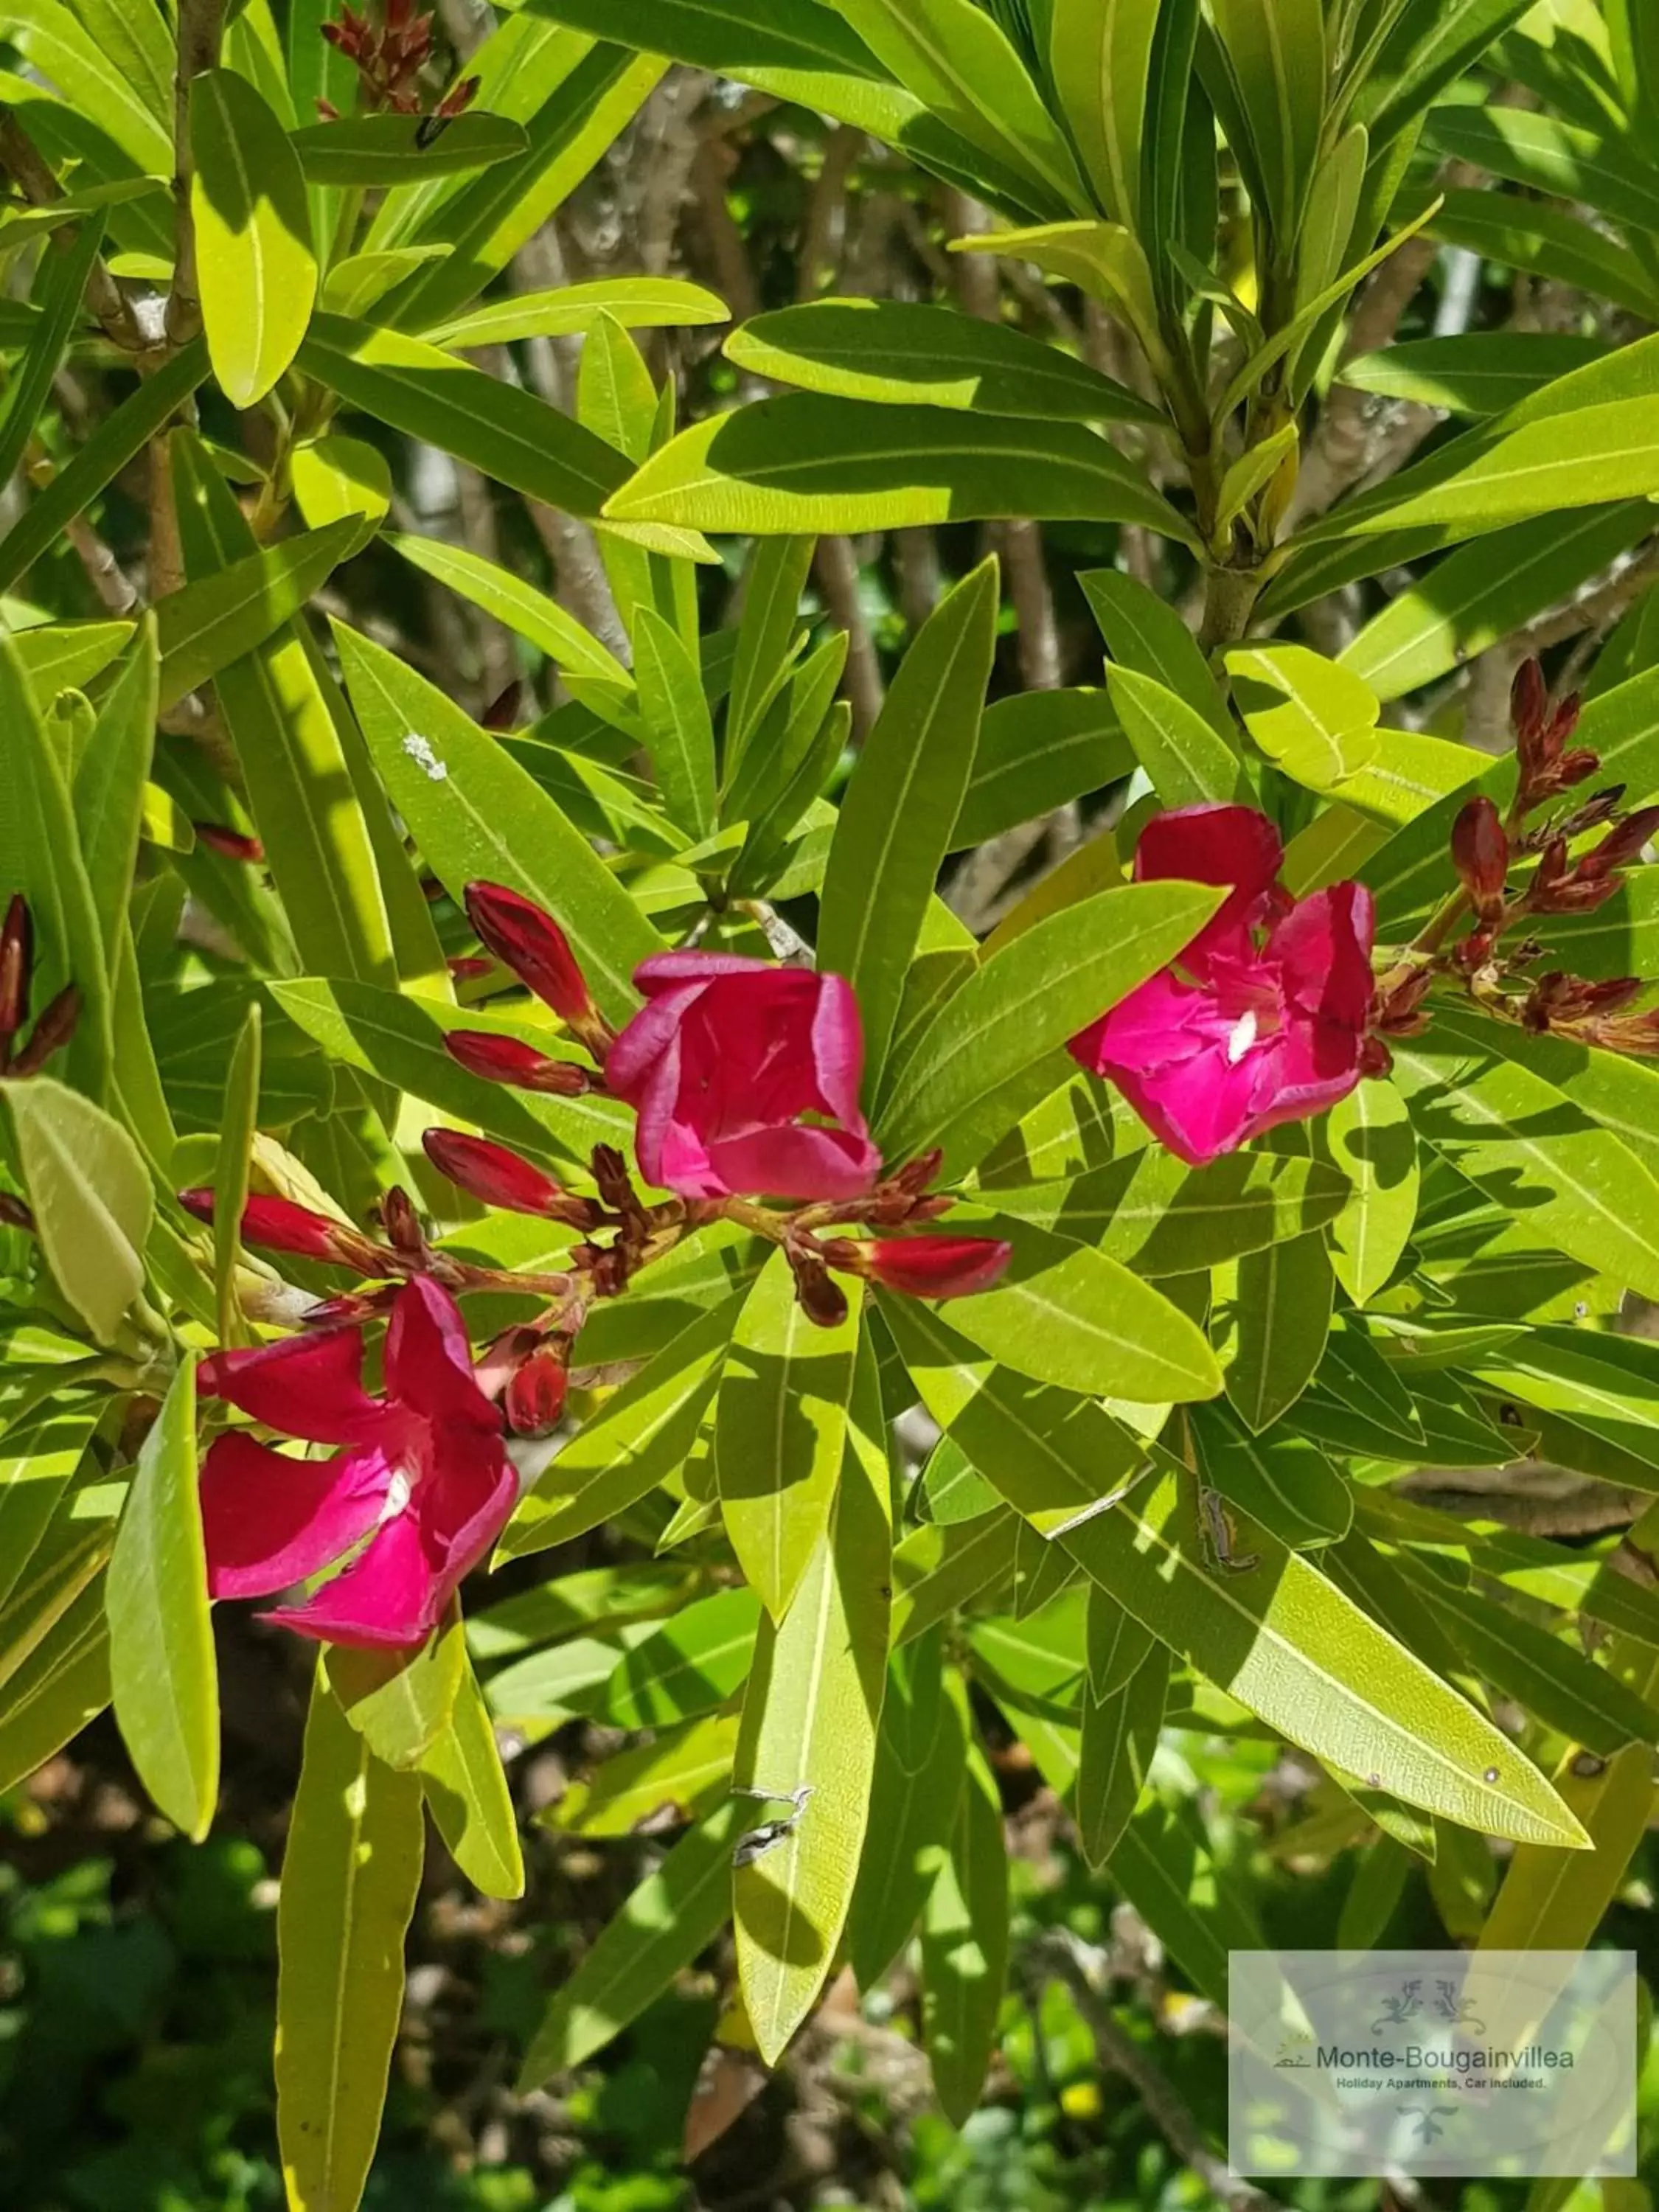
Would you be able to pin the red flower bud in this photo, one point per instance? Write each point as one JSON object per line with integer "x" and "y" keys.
{"x": 508, "y": 1059}
{"x": 502, "y": 712}
{"x": 1481, "y": 853}
{"x": 1375, "y": 1057}
{"x": 1619, "y": 846}
{"x": 536, "y": 1395}
{"x": 233, "y": 844}
{"x": 53, "y": 1030}
{"x": 16, "y": 960}
{"x": 1530, "y": 703}
{"x": 532, "y": 944}
{"x": 492, "y": 1173}
{"x": 937, "y": 1267}
{"x": 280, "y": 1225}
{"x": 459, "y": 97}
{"x": 402, "y": 1224}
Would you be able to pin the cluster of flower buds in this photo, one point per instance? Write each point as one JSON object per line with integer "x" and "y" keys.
{"x": 55, "y": 1025}
{"x": 389, "y": 57}
{"x": 1542, "y": 728}
{"x": 1563, "y": 885}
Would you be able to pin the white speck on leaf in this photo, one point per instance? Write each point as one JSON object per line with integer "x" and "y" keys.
{"x": 419, "y": 750}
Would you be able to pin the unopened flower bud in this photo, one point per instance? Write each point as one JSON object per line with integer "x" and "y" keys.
{"x": 459, "y": 97}
{"x": 1481, "y": 853}
{"x": 402, "y": 1224}
{"x": 509, "y": 1060}
{"x": 1530, "y": 703}
{"x": 1374, "y": 1058}
{"x": 279, "y": 1225}
{"x": 937, "y": 1267}
{"x": 54, "y": 1029}
{"x": 532, "y": 944}
{"x": 535, "y": 1396}
{"x": 233, "y": 844}
{"x": 16, "y": 960}
{"x": 822, "y": 1300}
{"x": 1620, "y": 846}
{"x": 1401, "y": 1013}
{"x": 502, "y": 712}
{"x": 494, "y": 1174}
{"x": 917, "y": 1174}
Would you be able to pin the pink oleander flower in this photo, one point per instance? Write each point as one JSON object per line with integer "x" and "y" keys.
{"x": 421, "y": 1475}
{"x": 745, "y": 1077}
{"x": 1262, "y": 1018}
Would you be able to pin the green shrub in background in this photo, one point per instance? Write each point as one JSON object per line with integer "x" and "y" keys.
{"x": 983, "y": 1328}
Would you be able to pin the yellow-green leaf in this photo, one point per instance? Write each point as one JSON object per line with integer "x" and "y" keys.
{"x": 255, "y": 264}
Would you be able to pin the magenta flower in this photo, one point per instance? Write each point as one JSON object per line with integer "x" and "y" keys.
{"x": 745, "y": 1077}
{"x": 1262, "y": 1018}
{"x": 421, "y": 1475}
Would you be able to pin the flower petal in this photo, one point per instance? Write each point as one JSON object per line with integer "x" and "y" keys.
{"x": 1324, "y": 948}
{"x": 429, "y": 1360}
{"x": 270, "y": 1521}
{"x": 632, "y": 1058}
{"x": 663, "y": 970}
{"x": 795, "y": 1163}
{"x": 308, "y": 1386}
{"x": 838, "y": 1051}
{"x": 1198, "y": 1108}
{"x": 1232, "y": 845}
{"x": 389, "y": 1597}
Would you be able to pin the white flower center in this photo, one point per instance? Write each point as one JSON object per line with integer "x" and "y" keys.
{"x": 398, "y": 1495}
{"x": 1243, "y": 1037}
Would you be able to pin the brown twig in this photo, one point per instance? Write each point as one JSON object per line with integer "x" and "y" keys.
{"x": 30, "y": 172}
{"x": 201, "y": 29}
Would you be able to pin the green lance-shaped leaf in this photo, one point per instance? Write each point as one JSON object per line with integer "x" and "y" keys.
{"x": 1145, "y": 634}
{"x": 685, "y": 1767}
{"x": 1114, "y": 1642}
{"x": 468, "y": 1797}
{"x": 1119, "y": 1734}
{"x": 61, "y": 1686}
{"x": 349, "y": 1877}
{"x": 1371, "y": 1140}
{"x": 1179, "y": 748}
{"x": 810, "y": 463}
{"x": 1555, "y": 1900}
{"x": 507, "y": 434}
{"x": 389, "y": 149}
{"x": 636, "y": 302}
{"x": 635, "y": 1440}
{"x": 1151, "y": 1211}
{"x": 255, "y": 264}
{"x": 529, "y": 613}
{"x": 276, "y": 701}
{"x": 810, "y": 1718}
{"x": 1044, "y": 986}
{"x": 1100, "y": 53}
{"x": 893, "y": 827}
{"x": 1480, "y": 373}
{"x": 964, "y": 1945}
{"x": 898, "y": 352}
{"x": 119, "y": 438}
{"x": 477, "y": 817}
{"x": 1282, "y": 1309}
{"x": 1281, "y": 1638}
{"x": 1516, "y": 1136}
{"x": 40, "y": 857}
{"x": 91, "y": 1196}
{"x": 768, "y": 628}
{"x": 921, "y": 1760}
{"x": 675, "y": 1913}
{"x": 37, "y": 1463}
{"x": 1316, "y": 719}
{"x": 959, "y": 63}
{"x": 60, "y": 286}
{"x": 162, "y": 1668}
{"x": 1038, "y": 751}
{"x": 400, "y": 1702}
{"x": 780, "y": 1434}
{"x": 1065, "y": 1313}
{"x": 1166, "y": 1866}
{"x": 678, "y": 723}
{"x": 1276, "y": 59}
{"x": 1280, "y": 1480}
{"x": 227, "y": 612}
{"x": 66, "y": 656}
{"x": 231, "y": 1170}
{"x": 110, "y": 788}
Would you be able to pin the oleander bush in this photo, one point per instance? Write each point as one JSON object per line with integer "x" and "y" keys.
{"x": 828, "y": 1146}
